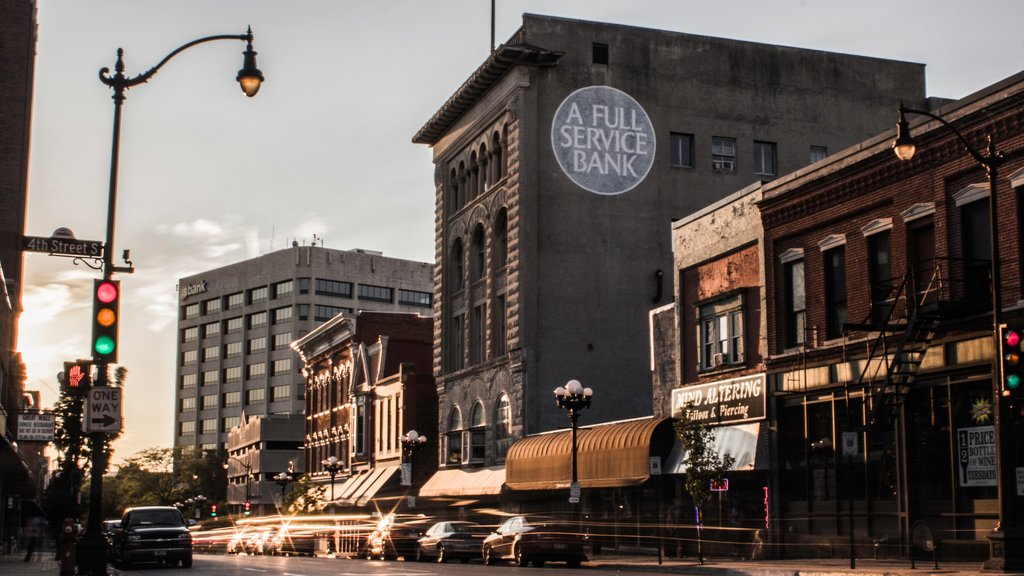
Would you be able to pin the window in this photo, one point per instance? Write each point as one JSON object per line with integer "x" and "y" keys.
{"x": 375, "y": 293}
{"x": 187, "y": 404}
{"x": 258, "y": 345}
{"x": 256, "y": 370}
{"x": 681, "y": 149}
{"x": 454, "y": 437}
{"x": 233, "y": 325}
{"x": 455, "y": 343}
{"x": 723, "y": 154}
{"x": 231, "y": 422}
{"x": 303, "y": 311}
{"x": 880, "y": 276}
{"x": 211, "y": 306}
{"x": 303, "y": 285}
{"x": 281, "y": 366}
{"x": 233, "y": 374}
{"x": 188, "y": 381}
{"x": 835, "y": 292}
{"x": 235, "y": 300}
{"x": 190, "y": 334}
{"x": 187, "y": 428}
{"x": 796, "y": 308}
{"x": 479, "y": 253}
{"x": 721, "y": 333}
{"x": 282, "y": 315}
{"x": 189, "y": 357}
{"x": 764, "y": 159}
{"x": 502, "y": 426}
{"x": 190, "y": 311}
{"x": 600, "y": 53}
{"x": 208, "y": 426}
{"x": 209, "y": 402}
{"x": 282, "y": 289}
{"x": 232, "y": 399}
{"x": 818, "y": 153}
{"x": 333, "y": 288}
{"x": 210, "y": 330}
{"x": 210, "y": 377}
{"x": 232, "y": 349}
{"x": 415, "y": 298}
{"x": 257, "y": 320}
{"x": 282, "y": 340}
{"x": 977, "y": 251}
{"x": 477, "y": 434}
{"x": 322, "y": 313}
{"x": 477, "y": 333}
{"x": 258, "y": 294}
{"x": 211, "y": 353}
{"x": 501, "y": 240}
{"x": 458, "y": 266}
{"x": 500, "y": 326}
{"x": 280, "y": 393}
{"x": 255, "y": 396}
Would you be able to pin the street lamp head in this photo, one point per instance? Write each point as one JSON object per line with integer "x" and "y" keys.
{"x": 574, "y": 387}
{"x": 561, "y": 391}
{"x": 903, "y": 145}
{"x": 250, "y": 78}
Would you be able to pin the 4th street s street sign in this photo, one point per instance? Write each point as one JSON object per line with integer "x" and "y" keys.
{"x": 103, "y": 410}
{"x": 63, "y": 246}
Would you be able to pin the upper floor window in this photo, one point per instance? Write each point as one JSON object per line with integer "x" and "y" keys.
{"x": 282, "y": 289}
{"x": 599, "y": 53}
{"x": 477, "y": 434}
{"x": 257, "y": 320}
{"x": 303, "y": 285}
{"x": 281, "y": 366}
{"x": 282, "y": 340}
{"x": 257, "y": 345}
{"x": 723, "y": 154}
{"x": 415, "y": 298}
{"x": 497, "y": 162}
{"x": 333, "y": 288}
{"x": 188, "y": 381}
{"x": 258, "y": 294}
{"x": 376, "y": 293}
{"x": 477, "y": 334}
{"x": 818, "y": 153}
{"x": 232, "y": 325}
{"x": 479, "y": 253}
{"x": 190, "y": 311}
{"x": 232, "y": 349}
{"x": 453, "y": 439}
{"x": 880, "y": 275}
{"x": 721, "y": 332}
{"x": 323, "y": 313}
{"x": 211, "y": 329}
{"x": 795, "y": 301}
{"x": 500, "y": 313}
{"x": 189, "y": 357}
{"x": 236, "y": 300}
{"x": 190, "y": 334}
{"x": 502, "y": 426}
{"x": 455, "y": 343}
{"x": 211, "y": 306}
{"x": 764, "y": 159}
{"x": 681, "y": 150}
{"x": 282, "y": 314}
{"x": 835, "y": 291}
{"x": 501, "y": 239}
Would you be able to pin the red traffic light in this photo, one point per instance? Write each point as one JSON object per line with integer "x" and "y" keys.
{"x": 106, "y": 291}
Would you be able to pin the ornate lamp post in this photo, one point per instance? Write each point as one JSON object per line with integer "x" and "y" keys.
{"x": 412, "y": 442}
{"x": 91, "y": 551}
{"x": 573, "y": 397}
{"x": 332, "y": 466}
{"x": 198, "y": 501}
{"x": 282, "y": 480}
{"x": 248, "y": 475}
{"x": 1006, "y": 542}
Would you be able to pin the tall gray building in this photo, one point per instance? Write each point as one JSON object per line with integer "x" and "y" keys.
{"x": 235, "y": 325}
{"x": 559, "y": 166}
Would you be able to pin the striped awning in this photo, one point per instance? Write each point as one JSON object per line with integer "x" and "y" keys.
{"x": 608, "y": 455}
{"x": 465, "y": 482}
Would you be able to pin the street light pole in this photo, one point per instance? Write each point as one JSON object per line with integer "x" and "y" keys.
{"x": 248, "y": 473}
{"x": 91, "y": 551}
{"x": 1006, "y": 542}
{"x": 412, "y": 442}
{"x": 573, "y": 397}
{"x": 282, "y": 480}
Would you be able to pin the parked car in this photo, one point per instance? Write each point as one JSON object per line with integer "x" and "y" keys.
{"x": 389, "y": 540}
{"x": 537, "y": 540}
{"x": 450, "y": 540}
{"x": 152, "y": 534}
{"x": 287, "y": 540}
{"x": 249, "y": 540}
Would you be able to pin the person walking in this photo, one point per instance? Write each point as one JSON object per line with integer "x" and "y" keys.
{"x": 34, "y": 530}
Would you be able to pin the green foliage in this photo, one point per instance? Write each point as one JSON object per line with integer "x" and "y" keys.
{"x": 703, "y": 463}
{"x": 304, "y": 495}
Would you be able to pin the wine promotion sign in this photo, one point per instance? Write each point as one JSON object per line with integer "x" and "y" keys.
{"x": 603, "y": 140}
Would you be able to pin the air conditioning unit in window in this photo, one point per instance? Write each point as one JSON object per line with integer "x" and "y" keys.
{"x": 723, "y": 165}
{"x": 717, "y": 360}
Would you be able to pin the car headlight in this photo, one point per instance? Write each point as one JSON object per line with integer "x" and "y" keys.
{"x": 184, "y": 536}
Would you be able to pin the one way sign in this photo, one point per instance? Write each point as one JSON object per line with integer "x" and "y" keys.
{"x": 103, "y": 410}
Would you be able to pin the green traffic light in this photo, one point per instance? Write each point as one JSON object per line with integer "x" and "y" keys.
{"x": 1013, "y": 381}
{"x": 104, "y": 345}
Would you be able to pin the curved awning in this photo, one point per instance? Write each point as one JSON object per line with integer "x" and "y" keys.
{"x": 608, "y": 455}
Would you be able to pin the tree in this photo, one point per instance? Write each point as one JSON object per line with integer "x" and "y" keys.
{"x": 304, "y": 495}
{"x": 703, "y": 466}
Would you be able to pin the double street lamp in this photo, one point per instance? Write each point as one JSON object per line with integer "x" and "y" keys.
{"x": 1006, "y": 542}
{"x": 332, "y": 466}
{"x": 411, "y": 442}
{"x": 91, "y": 557}
{"x": 283, "y": 479}
{"x": 573, "y": 398}
{"x": 248, "y": 475}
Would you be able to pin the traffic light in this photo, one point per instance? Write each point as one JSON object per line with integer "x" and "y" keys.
{"x": 75, "y": 378}
{"x": 248, "y": 507}
{"x": 213, "y": 511}
{"x": 106, "y": 305}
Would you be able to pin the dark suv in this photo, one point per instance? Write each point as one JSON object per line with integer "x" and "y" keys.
{"x": 152, "y": 534}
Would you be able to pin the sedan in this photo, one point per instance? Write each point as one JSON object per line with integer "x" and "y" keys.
{"x": 449, "y": 540}
{"x": 537, "y": 540}
{"x": 390, "y": 540}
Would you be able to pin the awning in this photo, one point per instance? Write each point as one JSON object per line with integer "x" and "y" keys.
{"x": 740, "y": 441}
{"x": 360, "y": 488}
{"x": 608, "y": 455}
{"x": 380, "y": 477}
{"x": 465, "y": 482}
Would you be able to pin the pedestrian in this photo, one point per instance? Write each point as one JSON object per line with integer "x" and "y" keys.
{"x": 34, "y": 530}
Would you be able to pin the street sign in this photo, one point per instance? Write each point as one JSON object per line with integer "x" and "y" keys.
{"x": 849, "y": 443}
{"x": 103, "y": 410}
{"x": 574, "y": 493}
{"x": 720, "y": 485}
{"x": 63, "y": 246}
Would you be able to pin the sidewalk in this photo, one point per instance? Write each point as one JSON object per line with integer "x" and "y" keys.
{"x": 808, "y": 567}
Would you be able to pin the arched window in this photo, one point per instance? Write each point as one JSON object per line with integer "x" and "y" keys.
{"x": 454, "y": 437}
{"x": 485, "y": 177}
{"x": 453, "y": 191}
{"x": 463, "y": 176}
{"x": 502, "y": 426}
{"x": 479, "y": 252}
{"x": 474, "y": 176}
{"x": 477, "y": 434}
{"x": 458, "y": 266}
{"x": 497, "y": 160}
{"x": 501, "y": 239}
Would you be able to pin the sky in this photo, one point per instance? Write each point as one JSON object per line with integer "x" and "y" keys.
{"x": 209, "y": 177}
